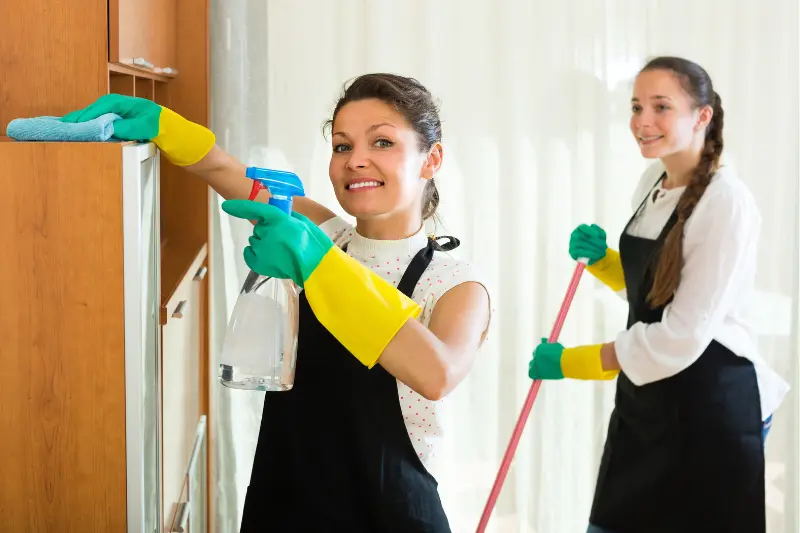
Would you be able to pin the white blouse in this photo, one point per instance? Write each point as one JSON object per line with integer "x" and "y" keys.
{"x": 390, "y": 259}
{"x": 716, "y": 286}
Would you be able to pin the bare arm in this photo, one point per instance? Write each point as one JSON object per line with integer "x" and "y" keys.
{"x": 226, "y": 175}
{"x": 608, "y": 357}
{"x": 433, "y": 360}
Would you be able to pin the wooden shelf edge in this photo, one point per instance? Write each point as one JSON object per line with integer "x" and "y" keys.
{"x": 133, "y": 70}
{"x": 113, "y": 142}
{"x": 178, "y": 262}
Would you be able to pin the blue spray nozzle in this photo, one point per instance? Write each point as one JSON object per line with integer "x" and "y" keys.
{"x": 283, "y": 185}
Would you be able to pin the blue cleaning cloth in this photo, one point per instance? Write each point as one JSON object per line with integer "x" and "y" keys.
{"x": 52, "y": 129}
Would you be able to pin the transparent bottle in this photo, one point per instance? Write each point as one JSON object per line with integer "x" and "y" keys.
{"x": 260, "y": 347}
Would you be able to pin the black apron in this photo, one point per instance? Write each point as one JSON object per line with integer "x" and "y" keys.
{"x": 683, "y": 454}
{"x": 333, "y": 453}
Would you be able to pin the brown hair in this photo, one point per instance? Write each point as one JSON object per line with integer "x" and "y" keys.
{"x": 412, "y": 100}
{"x": 697, "y": 84}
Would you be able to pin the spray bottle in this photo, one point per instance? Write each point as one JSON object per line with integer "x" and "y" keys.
{"x": 260, "y": 347}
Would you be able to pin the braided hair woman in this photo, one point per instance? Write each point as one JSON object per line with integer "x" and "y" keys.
{"x": 684, "y": 451}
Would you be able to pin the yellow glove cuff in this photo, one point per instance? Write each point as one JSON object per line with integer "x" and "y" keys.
{"x": 583, "y": 362}
{"x": 182, "y": 141}
{"x": 362, "y": 310}
{"x": 609, "y": 270}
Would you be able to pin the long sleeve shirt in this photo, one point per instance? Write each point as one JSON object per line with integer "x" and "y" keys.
{"x": 716, "y": 287}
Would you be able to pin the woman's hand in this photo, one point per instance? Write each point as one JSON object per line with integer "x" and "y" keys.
{"x": 589, "y": 242}
{"x": 359, "y": 308}
{"x": 183, "y": 142}
{"x": 591, "y": 362}
{"x": 282, "y": 246}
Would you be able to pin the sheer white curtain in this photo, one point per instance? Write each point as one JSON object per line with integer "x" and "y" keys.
{"x": 535, "y": 107}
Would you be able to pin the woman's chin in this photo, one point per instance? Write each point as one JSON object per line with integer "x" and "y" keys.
{"x": 362, "y": 212}
{"x": 650, "y": 152}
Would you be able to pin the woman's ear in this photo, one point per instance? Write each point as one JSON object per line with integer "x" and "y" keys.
{"x": 704, "y": 117}
{"x": 433, "y": 161}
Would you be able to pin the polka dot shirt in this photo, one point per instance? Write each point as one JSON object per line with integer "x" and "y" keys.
{"x": 390, "y": 259}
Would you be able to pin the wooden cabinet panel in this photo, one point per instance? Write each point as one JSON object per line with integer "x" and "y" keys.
{"x": 181, "y": 380}
{"x": 142, "y": 29}
{"x": 52, "y": 57}
{"x": 164, "y": 33}
{"x": 62, "y": 403}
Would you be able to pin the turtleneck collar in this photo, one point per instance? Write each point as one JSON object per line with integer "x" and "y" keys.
{"x": 361, "y": 247}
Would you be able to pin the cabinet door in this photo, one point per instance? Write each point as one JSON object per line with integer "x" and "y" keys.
{"x": 142, "y": 29}
{"x": 181, "y": 382}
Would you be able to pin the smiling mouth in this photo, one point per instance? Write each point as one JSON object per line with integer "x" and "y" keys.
{"x": 651, "y": 139}
{"x": 361, "y": 185}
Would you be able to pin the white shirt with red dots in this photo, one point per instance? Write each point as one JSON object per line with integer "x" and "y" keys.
{"x": 390, "y": 259}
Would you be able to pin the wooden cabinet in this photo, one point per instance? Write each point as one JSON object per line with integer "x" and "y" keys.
{"x": 143, "y": 32}
{"x": 106, "y": 377}
{"x": 82, "y": 455}
{"x": 80, "y": 408}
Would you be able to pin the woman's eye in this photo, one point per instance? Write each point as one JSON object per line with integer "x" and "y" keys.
{"x": 662, "y": 107}
{"x": 341, "y": 147}
{"x": 384, "y": 143}
{"x": 636, "y": 109}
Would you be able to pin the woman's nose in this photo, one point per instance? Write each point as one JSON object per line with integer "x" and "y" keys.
{"x": 358, "y": 159}
{"x": 643, "y": 120}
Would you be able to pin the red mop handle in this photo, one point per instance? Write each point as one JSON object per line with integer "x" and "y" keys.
{"x": 528, "y": 405}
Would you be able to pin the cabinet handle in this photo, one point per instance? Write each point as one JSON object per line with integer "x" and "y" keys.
{"x": 201, "y": 273}
{"x": 181, "y": 516}
{"x": 142, "y": 62}
{"x": 178, "y": 313}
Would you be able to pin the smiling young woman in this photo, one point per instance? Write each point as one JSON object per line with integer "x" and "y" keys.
{"x": 685, "y": 444}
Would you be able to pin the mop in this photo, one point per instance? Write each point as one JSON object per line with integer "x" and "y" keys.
{"x": 528, "y": 405}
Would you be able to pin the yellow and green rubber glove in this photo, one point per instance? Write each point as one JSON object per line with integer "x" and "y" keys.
{"x": 183, "y": 142}
{"x": 604, "y": 263}
{"x": 553, "y": 361}
{"x": 358, "y": 307}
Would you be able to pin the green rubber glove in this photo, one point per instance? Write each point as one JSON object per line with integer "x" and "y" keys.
{"x": 546, "y": 361}
{"x": 139, "y": 116}
{"x": 359, "y": 308}
{"x": 282, "y": 246}
{"x": 589, "y": 242}
{"x": 183, "y": 142}
{"x": 553, "y": 361}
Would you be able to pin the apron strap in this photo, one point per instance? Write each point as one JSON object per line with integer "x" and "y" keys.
{"x": 644, "y": 201}
{"x": 421, "y": 261}
{"x": 416, "y": 268}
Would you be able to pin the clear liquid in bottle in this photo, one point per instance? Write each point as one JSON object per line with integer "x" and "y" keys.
{"x": 260, "y": 347}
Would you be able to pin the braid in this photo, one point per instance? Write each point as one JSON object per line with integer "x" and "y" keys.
{"x": 671, "y": 260}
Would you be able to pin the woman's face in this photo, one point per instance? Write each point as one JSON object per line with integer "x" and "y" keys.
{"x": 376, "y": 167}
{"x": 664, "y": 118}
